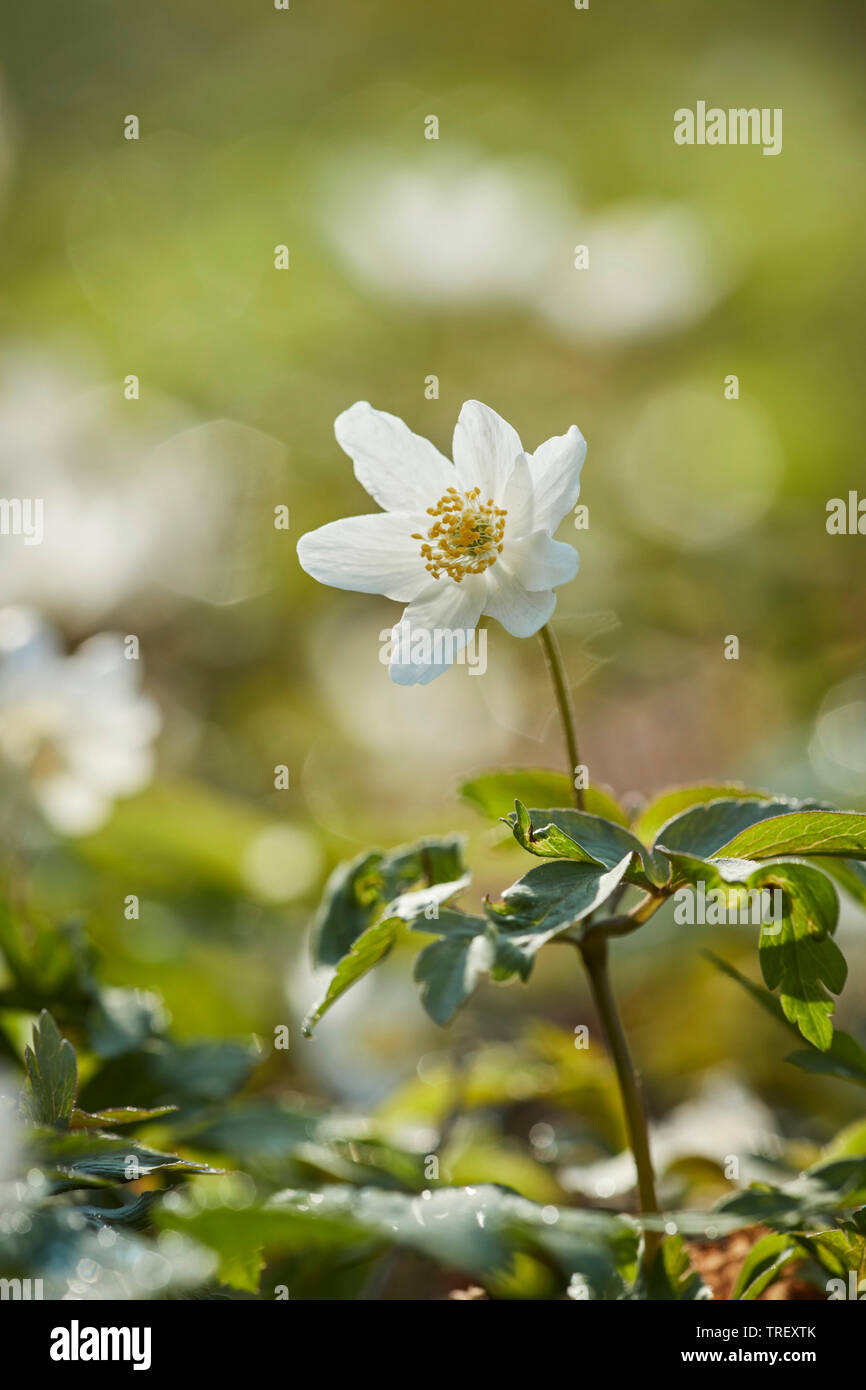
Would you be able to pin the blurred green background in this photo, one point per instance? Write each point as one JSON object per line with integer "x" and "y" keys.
{"x": 452, "y": 258}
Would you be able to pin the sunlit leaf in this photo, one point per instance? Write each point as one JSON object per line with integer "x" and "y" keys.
{"x": 52, "y": 1075}
{"x": 766, "y": 1260}
{"x": 798, "y": 956}
{"x": 802, "y": 832}
{"x": 587, "y": 839}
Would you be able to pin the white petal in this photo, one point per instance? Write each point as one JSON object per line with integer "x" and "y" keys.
{"x": 370, "y": 554}
{"x": 72, "y": 807}
{"x": 485, "y": 448}
{"x": 520, "y": 612}
{"x": 400, "y": 470}
{"x": 539, "y": 562}
{"x": 518, "y": 500}
{"x": 445, "y": 607}
{"x": 555, "y": 468}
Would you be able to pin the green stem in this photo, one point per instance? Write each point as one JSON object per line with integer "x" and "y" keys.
{"x": 593, "y": 949}
{"x": 594, "y": 955}
{"x": 553, "y": 657}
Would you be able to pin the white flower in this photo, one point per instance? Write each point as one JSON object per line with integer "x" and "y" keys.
{"x": 75, "y": 726}
{"x": 461, "y": 230}
{"x": 455, "y": 540}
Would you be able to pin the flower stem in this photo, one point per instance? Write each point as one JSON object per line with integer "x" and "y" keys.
{"x": 553, "y": 656}
{"x": 593, "y": 950}
{"x": 594, "y": 953}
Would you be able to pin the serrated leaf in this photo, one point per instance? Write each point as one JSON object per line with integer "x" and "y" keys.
{"x": 802, "y": 832}
{"x": 494, "y": 793}
{"x": 798, "y": 957}
{"x": 675, "y": 800}
{"x": 52, "y": 1076}
{"x": 565, "y": 834}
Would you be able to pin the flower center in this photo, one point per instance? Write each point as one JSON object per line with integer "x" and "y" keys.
{"x": 466, "y": 536}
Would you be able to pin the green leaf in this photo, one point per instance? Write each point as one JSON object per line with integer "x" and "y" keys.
{"x": 845, "y": 1058}
{"x": 548, "y": 900}
{"x": 375, "y": 941}
{"x": 801, "y": 958}
{"x": 839, "y": 1251}
{"x": 45, "y": 965}
{"x": 704, "y": 830}
{"x": 358, "y": 892}
{"x": 494, "y": 793}
{"x": 762, "y": 996}
{"x": 850, "y": 874}
{"x": 802, "y": 832}
{"x": 670, "y": 1276}
{"x": 122, "y": 1020}
{"x": 673, "y": 802}
{"x": 52, "y": 1076}
{"x": 541, "y": 905}
{"x": 371, "y": 947}
{"x": 478, "y": 1230}
{"x": 82, "y": 1158}
{"x": 811, "y": 1199}
{"x": 449, "y": 969}
{"x": 850, "y": 1142}
{"x": 713, "y": 873}
{"x": 163, "y": 1072}
{"x": 241, "y": 1239}
{"x": 764, "y": 1263}
{"x": 120, "y": 1115}
{"x": 589, "y": 840}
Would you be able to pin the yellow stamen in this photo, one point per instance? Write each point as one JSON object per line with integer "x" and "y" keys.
{"x": 466, "y": 536}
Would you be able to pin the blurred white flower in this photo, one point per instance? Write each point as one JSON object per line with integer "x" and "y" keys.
{"x": 462, "y": 230}
{"x": 454, "y": 541}
{"x": 75, "y": 726}
{"x": 652, "y": 268}
{"x": 141, "y": 502}
{"x": 838, "y": 747}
